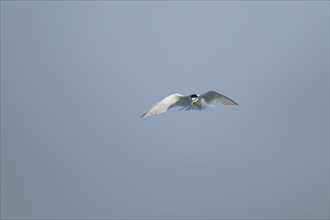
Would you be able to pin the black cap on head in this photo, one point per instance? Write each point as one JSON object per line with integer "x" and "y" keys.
{"x": 194, "y": 96}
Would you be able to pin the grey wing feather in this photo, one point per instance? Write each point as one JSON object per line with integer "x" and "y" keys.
{"x": 167, "y": 103}
{"x": 215, "y": 98}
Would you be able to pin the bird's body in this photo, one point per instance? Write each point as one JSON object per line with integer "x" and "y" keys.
{"x": 192, "y": 102}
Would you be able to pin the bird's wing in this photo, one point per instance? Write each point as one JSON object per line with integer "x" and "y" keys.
{"x": 214, "y": 98}
{"x": 167, "y": 103}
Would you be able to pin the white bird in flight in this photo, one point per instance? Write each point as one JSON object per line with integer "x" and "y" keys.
{"x": 192, "y": 102}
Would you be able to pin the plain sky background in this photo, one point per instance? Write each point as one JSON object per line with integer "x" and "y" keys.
{"x": 76, "y": 77}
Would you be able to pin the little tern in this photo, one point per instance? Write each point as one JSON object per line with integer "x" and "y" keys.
{"x": 192, "y": 102}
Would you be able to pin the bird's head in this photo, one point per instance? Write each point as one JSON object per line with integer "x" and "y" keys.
{"x": 193, "y": 98}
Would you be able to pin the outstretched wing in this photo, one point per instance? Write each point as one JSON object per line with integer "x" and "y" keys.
{"x": 214, "y": 98}
{"x": 167, "y": 103}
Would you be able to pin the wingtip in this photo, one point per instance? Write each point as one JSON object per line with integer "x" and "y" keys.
{"x": 144, "y": 115}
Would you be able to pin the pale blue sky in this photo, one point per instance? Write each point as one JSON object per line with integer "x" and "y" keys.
{"x": 76, "y": 77}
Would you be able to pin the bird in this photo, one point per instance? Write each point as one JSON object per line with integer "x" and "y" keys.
{"x": 191, "y": 102}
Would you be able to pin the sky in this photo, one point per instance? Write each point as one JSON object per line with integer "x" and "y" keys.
{"x": 76, "y": 77}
